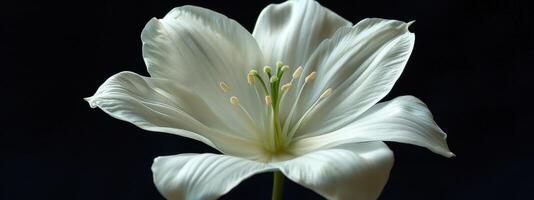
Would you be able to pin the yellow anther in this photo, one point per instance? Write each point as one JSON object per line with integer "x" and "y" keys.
{"x": 250, "y": 79}
{"x": 326, "y": 93}
{"x": 274, "y": 79}
{"x": 268, "y": 100}
{"x": 286, "y": 86}
{"x": 224, "y": 87}
{"x": 297, "y": 73}
{"x": 267, "y": 69}
{"x": 234, "y": 100}
{"x": 310, "y": 77}
{"x": 279, "y": 64}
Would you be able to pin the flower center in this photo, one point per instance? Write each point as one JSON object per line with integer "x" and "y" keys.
{"x": 271, "y": 95}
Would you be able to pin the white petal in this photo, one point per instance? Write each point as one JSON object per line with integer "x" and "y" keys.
{"x": 163, "y": 106}
{"x": 361, "y": 65}
{"x": 200, "y": 48}
{"x": 353, "y": 172}
{"x": 201, "y": 176}
{"x": 404, "y": 119}
{"x": 291, "y": 31}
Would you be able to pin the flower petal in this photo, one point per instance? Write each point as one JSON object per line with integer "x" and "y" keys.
{"x": 355, "y": 171}
{"x": 163, "y": 106}
{"x": 361, "y": 65}
{"x": 404, "y": 119}
{"x": 201, "y": 176}
{"x": 291, "y": 31}
{"x": 200, "y": 48}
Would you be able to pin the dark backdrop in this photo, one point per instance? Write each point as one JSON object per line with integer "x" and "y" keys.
{"x": 472, "y": 64}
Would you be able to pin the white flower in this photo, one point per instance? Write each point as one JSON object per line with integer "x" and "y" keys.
{"x": 319, "y": 124}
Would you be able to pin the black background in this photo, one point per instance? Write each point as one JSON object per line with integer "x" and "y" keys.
{"x": 472, "y": 64}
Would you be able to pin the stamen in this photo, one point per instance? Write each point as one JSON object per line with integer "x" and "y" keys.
{"x": 224, "y": 87}
{"x": 273, "y": 79}
{"x": 289, "y": 118}
{"x": 279, "y": 64}
{"x": 264, "y": 111}
{"x": 284, "y": 68}
{"x": 250, "y": 79}
{"x": 234, "y": 100}
{"x": 286, "y": 87}
{"x": 274, "y": 95}
{"x": 255, "y": 73}
{"x": 268, "y": 100}
{"x": 297, "y": 72}
{"x": 310, "y": 77}
{"x": 326, "y": 93}
{"x": 267, "y": 70}
{"x": 304, "y": 117}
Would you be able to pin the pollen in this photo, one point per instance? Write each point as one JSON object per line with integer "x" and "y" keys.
{"x": 297, "y": 73}
{"x": 268, "y": 100}
{"x": 326, "y": 93}
{"x": 224, "y": 87}
{"x": 250, "y": 79}
{"x": 234, "y": 100}
{"x": 310, "y": 77}
{"x": 286, "y": 87}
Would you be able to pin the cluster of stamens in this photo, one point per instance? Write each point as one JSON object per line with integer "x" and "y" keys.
{"x": 272, "y": 93}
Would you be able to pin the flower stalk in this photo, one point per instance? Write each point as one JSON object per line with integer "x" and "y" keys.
{"x": 278, "y": 186}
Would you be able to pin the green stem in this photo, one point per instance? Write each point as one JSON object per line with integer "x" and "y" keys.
{"x": 278, "y": 186}
{"x": 277, "y": 131}
{"x": 262, "y": 84}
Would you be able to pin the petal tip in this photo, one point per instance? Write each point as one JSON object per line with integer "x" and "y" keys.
{"x": 154, "y": 164}
{"x": 90, "y": 101}
{"x": 407, "y": 25}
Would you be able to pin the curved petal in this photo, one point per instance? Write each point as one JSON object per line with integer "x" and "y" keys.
{"x": 200, "y": 48}
{"x": 404, "y": 119}
{"x": 291, "y": 31}
{"x": 163, "y": 106}
{"x": 361, "y": 65}
{"x": 351, "y": 172}
{"x": 201, "y": 176}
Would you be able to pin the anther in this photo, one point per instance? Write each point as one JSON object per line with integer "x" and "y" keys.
{"x": 268, "y": 100}
{"x": 326, "y": 93}
{"x": 286, "y": 87}
{"x": 297, "y": 73}
{"x": 253, "y": 72}
{"x": 224, "y": 87}
{"x": 310, "y": 77}
{"x": 274, "y": 79}
{"x": 250, "y": 79}
{"x": 234, "y": 100}
{"x": 267, "y": 69}
{"x": 279, "y": 64}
